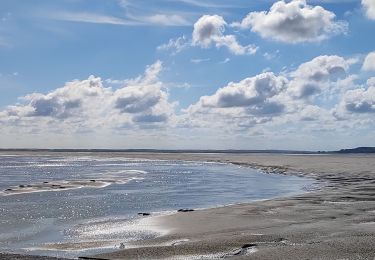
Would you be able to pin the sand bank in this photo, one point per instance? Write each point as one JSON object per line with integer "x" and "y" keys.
{"x": 64, "y": 185}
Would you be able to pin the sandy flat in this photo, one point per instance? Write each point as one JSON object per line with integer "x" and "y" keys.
{"x": 336, "y": 222}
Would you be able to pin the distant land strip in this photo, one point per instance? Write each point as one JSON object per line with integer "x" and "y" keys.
{"x": 233, "y": 151}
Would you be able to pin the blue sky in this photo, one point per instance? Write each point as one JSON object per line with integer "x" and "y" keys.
{"x": 187, "y": 74}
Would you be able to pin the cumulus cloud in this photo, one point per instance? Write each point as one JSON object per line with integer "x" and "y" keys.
{"x": 369, "y": 63}
{"x": 61, "y": 103}
{"x": 358, "y": 101}
{"x": 315, "y": 76}
{"x": 268, "y": 97}
{"x": 311, "y": 113}
{"x": 88, "y": 103}
{"x": 136, "y": 99}
{"x": 293, "y": 22}
{"x": 252, "y": 101}
{"x": 210, "y": 30}
{"x": 248, "y": 92}
{"x": 207, "y": 28}
{"x": 369, "y": 6}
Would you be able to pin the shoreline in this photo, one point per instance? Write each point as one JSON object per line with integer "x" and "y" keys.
{"x": 337, "y": 221}
{"x": 315, "y": 224}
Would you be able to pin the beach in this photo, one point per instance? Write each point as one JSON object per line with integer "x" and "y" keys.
{"x": 187, "y": 129}
{"x": 334, "y": 221}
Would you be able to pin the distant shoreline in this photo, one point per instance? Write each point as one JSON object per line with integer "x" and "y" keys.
{"x": 182, "y": 151}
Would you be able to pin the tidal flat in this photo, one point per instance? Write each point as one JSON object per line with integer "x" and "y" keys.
{"x": 334, "y": 220}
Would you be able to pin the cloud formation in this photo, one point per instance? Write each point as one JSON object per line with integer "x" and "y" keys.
{"x": 89, "y": 104}
{"x": 293, "y": 22}
{"x": 369, "y": 6}
{"x": 268, "y": 97}
{"x": 315, "y": 76}
{"x": 254, "y": 91}
{"x": 359, "y": 100}
{"x": 143, "y": 102}
{"x": 252, "y": 101}
{"x": 210, "y": 30}
{"x": 369, "y": 63}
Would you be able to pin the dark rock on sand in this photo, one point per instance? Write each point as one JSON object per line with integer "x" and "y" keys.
{"x": 144, "y": 214}
{"x": 185, "y": 210}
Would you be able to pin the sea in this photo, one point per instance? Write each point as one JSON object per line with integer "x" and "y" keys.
{"x": 71, "y": 204}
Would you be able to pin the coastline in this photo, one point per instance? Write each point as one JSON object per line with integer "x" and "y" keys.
{"x": 335, "y": 222}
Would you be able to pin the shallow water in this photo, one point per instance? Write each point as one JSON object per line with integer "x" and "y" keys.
{"x": 40, "y": 217}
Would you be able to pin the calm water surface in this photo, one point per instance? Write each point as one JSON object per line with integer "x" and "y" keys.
{"x": 87, "y": 220}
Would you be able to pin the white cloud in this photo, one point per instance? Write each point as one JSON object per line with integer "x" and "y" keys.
{"x": 271, "y": 56}
{"x": 357, "y": 101}
{"x": 263, "y": 102}
{"x": 360, "y": 100}
{"x": 226, "y": 60}
{"x": 371, "y": 82}
{"x": 91, "y": 18}
{"x": 165, "y": 19}
{"x": 209, "y": 30}
{"x": 158, "y": 19}
{"x": 270, "y": 99}
{"x": 311, "y": 113}
{"x": 88, "y": 104}
{"x": 369, "y": 63}
{"x": 248, "y": 102}
{"x": 369, "y": 6}
{"x": 313, "y": 77}
{"x": 175, "y": 45}
{"x": 293, "y": 22}
{"x": 248, "y": 92}
{"x": 197, "y": 61}
{"x": 148, "y": 14}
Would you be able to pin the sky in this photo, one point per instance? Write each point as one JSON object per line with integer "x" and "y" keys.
{"x": 187, "y": 74}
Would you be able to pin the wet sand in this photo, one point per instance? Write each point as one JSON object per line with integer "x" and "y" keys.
{"x": 335, "y": 222}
